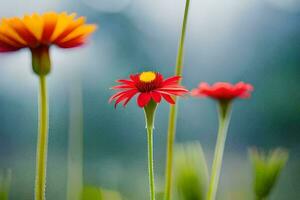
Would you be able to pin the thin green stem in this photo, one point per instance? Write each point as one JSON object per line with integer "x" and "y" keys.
{"x": 224, "y": 119}
{"x": 180, "y": 53}
{"x": 149, "y": 117}
{"x": 42, "y": 146}
{"x": 173, "y": 108}
{"x": 75, "y": 145}
{"x": 170, "y": 145}
{"x": 5, "y": 184}
{"x": 151, "y": 163}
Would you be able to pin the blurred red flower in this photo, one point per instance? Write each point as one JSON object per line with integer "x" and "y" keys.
{"x": 149, "y": 85}
{"x": 223, "y": 90}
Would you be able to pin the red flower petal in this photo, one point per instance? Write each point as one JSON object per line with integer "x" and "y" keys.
{"x": 122, "y": 87}
{"x": 119, "y": 94}
{"x": 168, "y": 98}
{"x": 172, "y": 80}
{"x": 179, "y": 90}
{"x": 116, "y": 96}
{"x": 143, "y": 99}
{"x": 171, "y": 92}
{"x": 129, "y": 97}
{"x": 195, "y": 92}
{"x": 120, "y": 98}
{"x": 124, "y": 81}
{"x": 124, "y": 96}
{"x": 155, "y": 96}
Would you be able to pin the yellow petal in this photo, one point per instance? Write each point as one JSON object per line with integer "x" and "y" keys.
{"x": 50, "y": 20}
{"x": 35, "y": 25}
{"x": 63, "y": 22}
{"x": 72, "y": 26}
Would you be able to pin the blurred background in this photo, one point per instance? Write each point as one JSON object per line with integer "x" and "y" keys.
{"x": 256, "y": 41}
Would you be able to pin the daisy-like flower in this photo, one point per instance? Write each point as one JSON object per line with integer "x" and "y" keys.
{"x": 39, "y": 32}
{"x": 33, "y": 31}
{"x": 151, "y": 88}
{"x": 223, "y": 90}
{"x": 224, "y": 93}
{"x": 148, "y": 85}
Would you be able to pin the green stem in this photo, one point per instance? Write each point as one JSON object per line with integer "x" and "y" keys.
{"x": 75, "y": 145}
{"x": 150, "y": 163}
{"x": 149, "y": 116}
{"x": 5, "y": 184}
{"x": 180, "y": 53}
{"x": 173, "y": 108}
{"x": 224, "y": 119}
{"x": 42, "y": 146}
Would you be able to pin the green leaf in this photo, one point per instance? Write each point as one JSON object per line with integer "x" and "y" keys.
{"x": 91, "y": 192}
{"x": 98, "y": 193}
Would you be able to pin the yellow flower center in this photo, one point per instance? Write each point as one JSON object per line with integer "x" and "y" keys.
{"x": 147, "y": 77}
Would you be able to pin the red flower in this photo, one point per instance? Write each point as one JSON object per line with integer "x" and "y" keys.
{"x": 149, "y": 85}
{"x": 223, "y": 90}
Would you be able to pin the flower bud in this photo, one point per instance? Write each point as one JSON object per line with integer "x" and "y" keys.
{"x": 191, "y": 174}
{"x": 266, "y": 170}
{"x": 5, "y": 181}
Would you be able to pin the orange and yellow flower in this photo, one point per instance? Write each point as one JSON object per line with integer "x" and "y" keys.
{"x": 39, "y": 32}
{"x": 50, "y": 28}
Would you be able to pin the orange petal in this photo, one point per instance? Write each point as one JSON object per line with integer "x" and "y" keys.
{"x": 84, "y": 30}
{"x": 72, "y": 26}
{"x": 18, "y": 25}
{"x": 73, "y": 43}
{"x": 11, "y": 33}
{"x": 50, "y": 20}
{"x": 63, "y": 22}
{"x": 9, "y": 41}
{"x": 35, "y": 25}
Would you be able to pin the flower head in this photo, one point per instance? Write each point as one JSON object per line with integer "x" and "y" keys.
{"x": 39, "y": 32}
{"x": 223, "y": 90}
{"x": 33, "y": 31}
{"x": 149, "y": 85}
